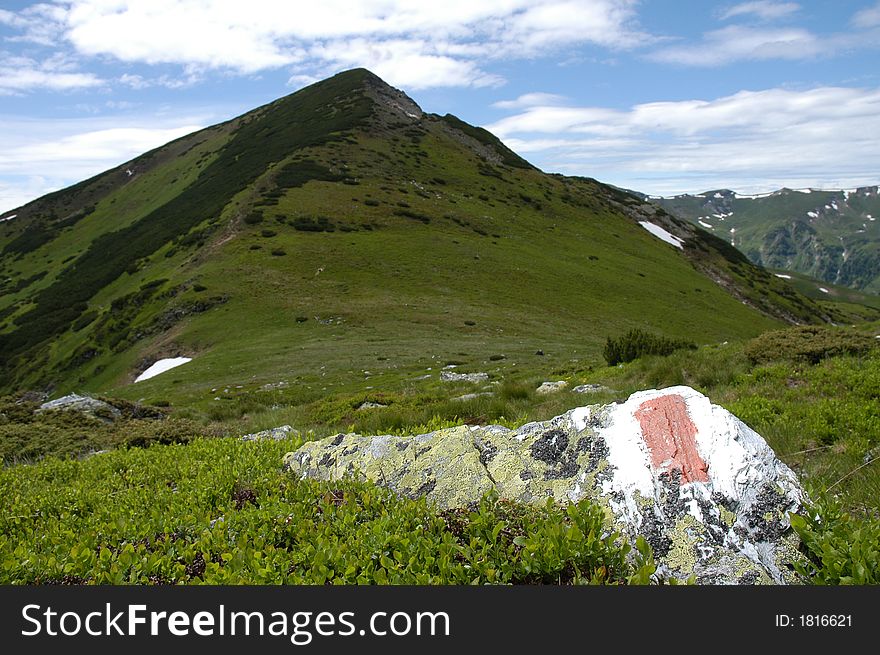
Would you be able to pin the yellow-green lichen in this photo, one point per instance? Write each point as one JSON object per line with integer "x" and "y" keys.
{"x": 727, "y": 516}
{"x": 742, "y": 566}
{"x": 682, "y": 557}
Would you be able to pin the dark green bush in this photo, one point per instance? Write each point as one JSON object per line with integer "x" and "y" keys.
{"x": 809, "y": 344}
{"x": 141, "y": 434}
{"x": 637, "y": 343}
{"x": 313, "y": 224}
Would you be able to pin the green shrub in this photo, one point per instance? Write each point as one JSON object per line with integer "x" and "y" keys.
{"x": 150, "y": 516}
{"x": 839, "y": 548}
{"x": 809, "y": 344}
{"x": 636, "y": 343}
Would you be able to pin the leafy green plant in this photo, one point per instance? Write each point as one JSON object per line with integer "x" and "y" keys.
{"x": 840, "y": 549}
{"x": 220, "y": 511}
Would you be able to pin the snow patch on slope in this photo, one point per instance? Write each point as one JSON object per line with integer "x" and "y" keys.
{"x": 161, "y": 366}
{"x": 662, "y": 234}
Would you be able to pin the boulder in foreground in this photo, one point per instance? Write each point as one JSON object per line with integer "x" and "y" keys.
{"x": 704, "y": 489}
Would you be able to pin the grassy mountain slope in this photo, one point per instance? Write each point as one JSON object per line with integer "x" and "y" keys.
{"x": 832, "y": 236}
{"x": 341, "y": 239}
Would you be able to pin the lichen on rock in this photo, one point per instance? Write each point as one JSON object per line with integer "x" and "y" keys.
{"x": 701, "y": 487}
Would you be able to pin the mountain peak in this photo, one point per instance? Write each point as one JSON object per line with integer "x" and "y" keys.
{"x": 336, "y": 202}
{"x": 389, "y": 103}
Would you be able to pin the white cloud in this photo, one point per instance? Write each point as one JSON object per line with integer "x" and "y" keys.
{"x": 405, "y": 63}
{"x": 742, "y": 42}
{"x": 20, "y": 74}
{"x": 40, "y": 24}
{"x": 739, "y": 43}
{"x": 764, "y": 9}
{"x": 41, "y": 155}
{"x": 414, "y": 44}
{"x": 751, "y": 140}
{"x": 139, "y": 82}
{"x": 530, "y": 100}
{"x": 89, "y": 149}
{"x": 867, "y": 18}
{"x": 23, "y": 189}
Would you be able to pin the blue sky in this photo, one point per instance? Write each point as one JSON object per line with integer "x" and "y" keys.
{"x": 662, "y": 96}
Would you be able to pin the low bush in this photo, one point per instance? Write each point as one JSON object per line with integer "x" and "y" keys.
{"x": 636, "y": 343}
{"x": 150, "y": 516}
{"x": 839, "y": 548}
{"x": 809, "y": 344}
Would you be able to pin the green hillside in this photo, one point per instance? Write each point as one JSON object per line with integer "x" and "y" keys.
{"x": 340, "y": 240}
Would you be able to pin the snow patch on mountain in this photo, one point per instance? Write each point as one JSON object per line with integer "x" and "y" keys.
{"x": 662, "y": 234}
{"x": 161, "y": 366}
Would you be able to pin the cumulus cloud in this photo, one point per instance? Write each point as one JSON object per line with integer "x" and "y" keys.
{"x": 414, "y": 44}
{"x": 751, "y": 140}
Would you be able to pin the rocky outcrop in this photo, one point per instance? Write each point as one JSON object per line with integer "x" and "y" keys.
{"x": 551, "y": 387}
{"x": 369, "y": 404}
{"x": 700, "y": 486}
{"x": 272, "y": 434}
{"x": 450, "y": 376}
{"x": 84, "y": 404}
{"x": 591, "y": 388}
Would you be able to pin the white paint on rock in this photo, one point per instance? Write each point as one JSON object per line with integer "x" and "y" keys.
{"x": 161, "y": 366}
{"x": 662, "y": 234}
{"x": 737, "y": 458}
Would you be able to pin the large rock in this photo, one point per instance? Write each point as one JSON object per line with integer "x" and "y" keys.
{"x": 272, "y": 434}
{"x": 84, "y": 404}
{"x": 705, "y": 490}
{"x": 450, "y": 376}
{"x": 551, "y": 387}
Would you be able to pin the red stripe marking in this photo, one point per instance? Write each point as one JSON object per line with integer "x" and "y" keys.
{"x": 670, "y": 435}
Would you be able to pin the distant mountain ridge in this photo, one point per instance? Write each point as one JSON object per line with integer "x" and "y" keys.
{"x": 831, "y": 235}
{"x": 342, "y": 228}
